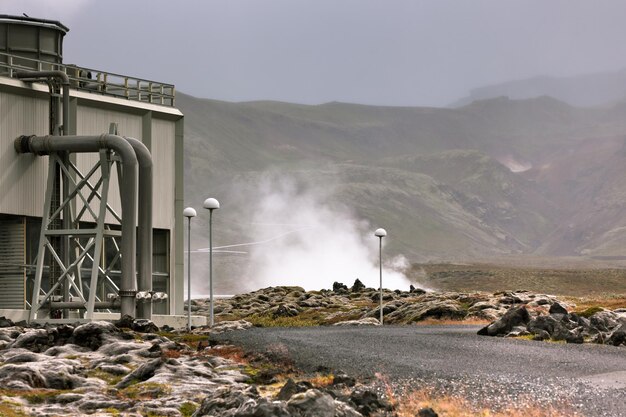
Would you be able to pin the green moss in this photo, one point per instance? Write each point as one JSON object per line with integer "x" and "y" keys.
{"x": 590, "y": 311}
{"x": 110, "y": 379}
{"x": 266, "y": 320}
{"x": 187, "y": 409}
{"x": 114, "y": 412}
{"x": 146, "y": 390}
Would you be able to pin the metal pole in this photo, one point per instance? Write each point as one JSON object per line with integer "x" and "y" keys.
{"x": 189, "y": 274}
{"x": 380, "y": 264}
{"x": 211, "y": 265}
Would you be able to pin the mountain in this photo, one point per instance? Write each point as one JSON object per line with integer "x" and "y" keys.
{"x": 587, "y": 90}
{"x": 495, "y": 177}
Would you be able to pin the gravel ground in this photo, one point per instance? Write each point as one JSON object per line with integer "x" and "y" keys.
{"x": 453, "y": 359}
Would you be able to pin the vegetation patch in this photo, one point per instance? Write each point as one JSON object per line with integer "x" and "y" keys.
{"x": 589, "y": 311}
{"x": 187, "y": 409}
{"x": 266, "y": 320}
{"x": 10, "y": 410}
{"x": 451, "y": 406}
{"x": 145, "y": 391}
{"x": 110, "y": 379}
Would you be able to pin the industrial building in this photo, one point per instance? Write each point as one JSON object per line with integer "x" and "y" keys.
{"x": 76, "y": 188}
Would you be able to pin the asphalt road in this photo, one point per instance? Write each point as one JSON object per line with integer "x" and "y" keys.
{"x": 590, "y": 379}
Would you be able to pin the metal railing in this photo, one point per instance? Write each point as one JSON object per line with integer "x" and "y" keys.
{"x": 95, "y": 81}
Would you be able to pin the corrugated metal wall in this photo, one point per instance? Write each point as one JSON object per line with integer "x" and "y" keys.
{"x": 163, "y": 168}
{"x": 22, "y": 177}
{"x": 95, "y": 121}
{"x": 12, "y": 272}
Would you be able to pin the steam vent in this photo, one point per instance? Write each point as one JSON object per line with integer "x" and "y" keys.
{"x": 82, "y": 236}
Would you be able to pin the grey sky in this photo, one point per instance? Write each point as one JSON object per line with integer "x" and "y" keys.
{"x": 391, "y": 52}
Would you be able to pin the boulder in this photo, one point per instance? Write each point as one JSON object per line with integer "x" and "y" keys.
{"x": 4, "y": 322}
{"x": 515, "y": 316}
{"x": 339, "y": 287}
{"x": 358, "y": 286}
{"x": 92, "y": 335}
{"x": 427, "y": 412}
{"x": 291, "y": 388}
{"x": 144, "y": 372}
{"x": 618, "y": 336}
{"x": 557, "y": 308}
{"x": 312, "y": 403}
{"x": 285, "y": 310}
{"x": 367, "y": 402}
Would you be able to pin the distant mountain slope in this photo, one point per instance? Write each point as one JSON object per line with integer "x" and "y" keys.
{"x": 493, "y": 177}
{"x": 581, "y": 91}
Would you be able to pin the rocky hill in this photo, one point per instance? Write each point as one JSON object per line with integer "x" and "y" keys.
{"x": 582, "y": 90}
{"x": 492, "y": 178}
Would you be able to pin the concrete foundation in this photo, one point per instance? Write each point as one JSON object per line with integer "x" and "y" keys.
{"x": 175, "y": 321}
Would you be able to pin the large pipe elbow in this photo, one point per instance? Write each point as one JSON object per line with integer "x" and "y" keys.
{"x": 42, "y": 145}
{"x": 144, "y": 244}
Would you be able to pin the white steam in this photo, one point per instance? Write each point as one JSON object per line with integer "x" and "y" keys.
{"x": 301, "y": 239}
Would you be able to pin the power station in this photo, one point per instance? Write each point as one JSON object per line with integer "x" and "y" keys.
{"x": 91, "y": 186}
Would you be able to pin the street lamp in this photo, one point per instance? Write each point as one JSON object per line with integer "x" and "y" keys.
{"x": 380, "y": 234}
{"x": 211, "y": 204}
{"x": 189, "y": 212}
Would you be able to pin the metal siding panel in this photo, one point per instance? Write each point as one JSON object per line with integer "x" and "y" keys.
{"x": 22, "y": 177}
{"x": 94, "y": 121}
{"x": 163, "y": 137}
{"x": 12, "y": 278}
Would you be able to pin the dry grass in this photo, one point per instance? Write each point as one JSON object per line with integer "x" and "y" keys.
{"x": 233, "y": 353}
{"x": 575, "y": 280}
{"x": 11, "y": 410}
{"x": 448, "y": 406}
{"x": 321, "y": 381}
{"x": 608, "y": 301}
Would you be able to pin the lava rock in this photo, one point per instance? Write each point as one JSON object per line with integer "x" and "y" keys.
{"x": 557, "y": 308}
{"x": 340, "y": 287}
{"x": 367, "y": 402}
{"x": 358, "y": 286}
{"x": 427, "y": 412}
{"x": 144, "y": 372}
{"x": 515, "y": 316}
{"x": 4, "y": 322}
{"x": 92, "y": 335}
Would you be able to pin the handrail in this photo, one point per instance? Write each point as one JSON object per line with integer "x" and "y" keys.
{"x": 95, "y": 81}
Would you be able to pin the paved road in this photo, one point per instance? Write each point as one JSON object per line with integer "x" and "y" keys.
{"x": 590, "y": 378}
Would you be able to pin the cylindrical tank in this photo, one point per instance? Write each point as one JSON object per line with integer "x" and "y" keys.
{"x": 32, "y": 39}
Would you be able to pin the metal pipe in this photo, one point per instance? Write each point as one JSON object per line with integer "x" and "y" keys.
{"x": 54, "y": 130}
{"x": 58, "y": 305}
{"x": 144, "y": 244}
{"x": 42, "y": 145}
{"x": 65, "y": 84}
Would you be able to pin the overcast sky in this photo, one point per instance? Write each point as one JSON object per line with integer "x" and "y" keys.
{"x": 389, "y": 52}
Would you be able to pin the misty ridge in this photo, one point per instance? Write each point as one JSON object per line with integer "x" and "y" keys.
{"x": 303, "y": 187}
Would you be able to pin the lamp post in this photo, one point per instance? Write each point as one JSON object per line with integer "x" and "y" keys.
{"x": 211, "y": 204}
{"x": 189, "y": 212}
{"x": 380, "y": 234}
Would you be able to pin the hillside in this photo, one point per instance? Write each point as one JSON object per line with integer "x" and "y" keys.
{"x": 582, "y": 91}
{"x": 492, "y": 178}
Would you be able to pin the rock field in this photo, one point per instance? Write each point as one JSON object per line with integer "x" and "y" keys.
{"x": 100, "y": 369}
{"x": 131, "y": 368}
{"x": 343, "y": 304}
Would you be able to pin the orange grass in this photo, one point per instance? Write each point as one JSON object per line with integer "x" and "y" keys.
{"x": 448, "y": 406}
{"x": 234, "y": 353}
{"x": 320, "y": 381}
